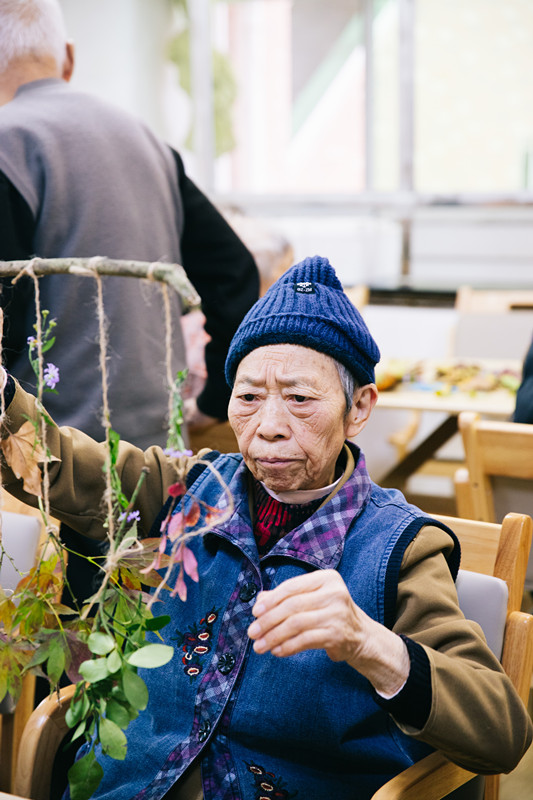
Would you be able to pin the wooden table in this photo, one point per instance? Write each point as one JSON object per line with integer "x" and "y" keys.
{"x": 430, "y": 395}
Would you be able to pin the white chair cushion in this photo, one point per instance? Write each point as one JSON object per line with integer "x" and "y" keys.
{"x": 483, "y": 598}
{"x": 20, "y": 538}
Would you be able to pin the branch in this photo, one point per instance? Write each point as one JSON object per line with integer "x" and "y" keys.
{"x": 172, "y": 274}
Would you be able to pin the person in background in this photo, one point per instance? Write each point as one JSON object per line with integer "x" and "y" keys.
{"x": 524, "y": 397}
{"x": 323, "y": 649}
{"x": 81, "y": 178}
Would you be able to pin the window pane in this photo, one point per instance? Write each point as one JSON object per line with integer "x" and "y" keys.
{"x": 474, "y": 94}
{"x": 298, "y": 119}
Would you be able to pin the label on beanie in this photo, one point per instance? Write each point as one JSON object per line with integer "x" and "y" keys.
{"x": 305, "y": 287}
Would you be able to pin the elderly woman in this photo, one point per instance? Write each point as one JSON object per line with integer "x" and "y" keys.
{"x": 337, "y": 654}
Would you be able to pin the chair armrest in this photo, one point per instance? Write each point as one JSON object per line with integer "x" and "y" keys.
{"x": 517, "y": 656}
{"x": 431, "y": 778}
{"x": 42, "y": 737}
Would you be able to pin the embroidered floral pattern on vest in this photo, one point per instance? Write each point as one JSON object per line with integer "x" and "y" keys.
{"x": 196, "y": 643}
{"x": 269, "y": 787}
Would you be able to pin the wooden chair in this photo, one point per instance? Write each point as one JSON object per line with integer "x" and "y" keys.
{"x": 501, "y": 551}
{"x": 359, "y": 295}
{"x": 21, "y": 534}
{"x": 489, "y": 549}
{"x": 499, "y": 471}
{"x": 470, "y": 300}
{"x": 43, "y": 735}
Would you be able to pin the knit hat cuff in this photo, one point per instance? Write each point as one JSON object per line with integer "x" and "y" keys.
{"x": 320, "y": 335}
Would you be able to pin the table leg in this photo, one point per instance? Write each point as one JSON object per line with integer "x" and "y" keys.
{"x": 398, "y": 475}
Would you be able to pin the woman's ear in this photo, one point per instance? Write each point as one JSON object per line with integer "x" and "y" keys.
{"x": 364, "y": 400}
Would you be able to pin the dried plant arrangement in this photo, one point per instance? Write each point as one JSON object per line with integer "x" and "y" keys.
{"x": 102, "y": 644}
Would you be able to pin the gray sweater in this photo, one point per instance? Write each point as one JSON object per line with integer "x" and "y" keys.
{"x": 97, "y": 182}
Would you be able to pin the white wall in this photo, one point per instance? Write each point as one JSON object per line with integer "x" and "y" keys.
{"x": 120, "y": 49}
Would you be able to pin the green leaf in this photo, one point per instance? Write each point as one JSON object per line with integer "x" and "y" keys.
{"x": 135, "y": 689}
{"x": 114, "y": 662}
{"x": 94, "y": 670}
{"x": 40, "y": 655}
{"x": 117, "y": 713}
{"x": 151, "y": 656}
{"x": 47, "y": 345}
{"x": 114, "y": 439}
{"x": 100, "y": 643}
{"x": 3, "y": 684}
{"x": 156, "y": 623}
{"x": 56, "y": 662}
{"x": 80, "y": 730}
{"x": 77, "y": 710}
{"x": 84, "y": 777}
{"x": 113, "y": 739}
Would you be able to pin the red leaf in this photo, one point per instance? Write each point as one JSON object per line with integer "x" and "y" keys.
{"x": 190, "y": 564}
{"x": 175, "y": 526}
{"x": 192, "y": 516}
{"x": 180, "y": 588}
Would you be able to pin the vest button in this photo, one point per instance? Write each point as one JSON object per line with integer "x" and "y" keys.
{"x": 248, "y": 592}
{"x": 204, "y": 730}
{"x": 226, "y": 663}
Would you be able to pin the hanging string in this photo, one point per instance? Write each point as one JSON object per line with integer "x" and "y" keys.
{"x": 2, "y": 417}
{"x": 2, "y": 398}
{"x": 168, "y": 346}
{"x": 105, "y": 398}
{"x": 40, "y": 385}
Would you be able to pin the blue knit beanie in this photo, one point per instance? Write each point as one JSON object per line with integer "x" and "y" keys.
{"x": 307, "y": 306}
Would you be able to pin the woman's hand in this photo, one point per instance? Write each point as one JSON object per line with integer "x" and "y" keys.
{"x": 316, "y": 611}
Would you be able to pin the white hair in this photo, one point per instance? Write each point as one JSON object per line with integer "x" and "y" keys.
{"x": 348, "y": 383}
{"x": 31, "y": 29}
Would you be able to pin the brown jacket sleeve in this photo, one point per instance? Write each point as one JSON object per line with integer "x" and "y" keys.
{"x": 475, "y": 708}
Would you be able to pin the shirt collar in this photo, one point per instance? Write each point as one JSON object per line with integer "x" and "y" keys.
{"x": 302, "y": 495}
{"x": 320, "y": 539}
{"x": 39, "y": 84}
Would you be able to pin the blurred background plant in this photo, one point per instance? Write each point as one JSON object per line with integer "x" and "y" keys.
{"x": 224, "y": 82}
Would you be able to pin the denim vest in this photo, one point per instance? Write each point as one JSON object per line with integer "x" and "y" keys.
{"x": 267, "y": 727}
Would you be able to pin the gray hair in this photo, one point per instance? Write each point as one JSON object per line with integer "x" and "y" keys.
{"x": 348, "y": 383}
{"x": 31, "y": 29}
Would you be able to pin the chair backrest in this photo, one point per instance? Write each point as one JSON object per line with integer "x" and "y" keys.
{"x": 359, "y": 295}
{"x": 471, "y": 300}
{"x": 499, "y": 471}
{"x": 498, "y": 550}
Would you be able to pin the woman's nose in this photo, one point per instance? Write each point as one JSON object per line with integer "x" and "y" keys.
{"x": 273, "y": 420}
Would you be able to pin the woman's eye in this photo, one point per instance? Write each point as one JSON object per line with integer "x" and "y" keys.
{"x": 248, "y": 398}
{"x": 300, "y": 398}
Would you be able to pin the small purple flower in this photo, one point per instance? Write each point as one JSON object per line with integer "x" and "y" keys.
{"x": 51, "y": 376}
{"x": 32, "y": 341}
{"x": 177, "y": 453}
{"x": 133, "y": 516}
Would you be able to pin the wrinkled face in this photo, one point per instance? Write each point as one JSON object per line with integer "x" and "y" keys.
{"x": 288, "y": 412}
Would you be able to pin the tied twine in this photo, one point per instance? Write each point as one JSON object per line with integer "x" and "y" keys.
{"x": 151, "y": 276}
{"x": 168, "y": 347}
{"x": 106, "y": 415}
{"x": 29, "y": 271}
